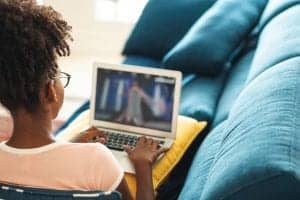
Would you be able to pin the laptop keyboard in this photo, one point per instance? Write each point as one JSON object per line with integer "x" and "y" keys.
{"x": 116, "y": 140}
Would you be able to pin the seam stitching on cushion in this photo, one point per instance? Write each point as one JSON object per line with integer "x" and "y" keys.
{"x": 225, "y": 138}
{"x": 270, "y": 67}
{"x": 296, "y": 83}
{"x": 214, "y": 160}
{"x": 271, "y": 17}
{"x": 234, "y": 127}
{"x": 224, "y": 82}
{"x": 251, "y": 184}
{"x": 292, "y": 142}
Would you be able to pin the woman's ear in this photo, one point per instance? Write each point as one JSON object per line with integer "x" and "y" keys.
{"x": 51, "y": 98}
{"x": 49, "y": 93}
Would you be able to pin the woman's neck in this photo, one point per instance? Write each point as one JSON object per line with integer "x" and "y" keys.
{"x": 31, "y": 130}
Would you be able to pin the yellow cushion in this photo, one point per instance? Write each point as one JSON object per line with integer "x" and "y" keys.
{"x": 187, "y": 131}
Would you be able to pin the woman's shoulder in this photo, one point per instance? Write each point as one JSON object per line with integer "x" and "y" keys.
{"x": 68, "y": 146}
{"x": 83, "y": 148}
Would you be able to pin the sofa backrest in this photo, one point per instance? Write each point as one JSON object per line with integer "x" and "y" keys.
{"x": 261, "y": 140}
{"x": 276, "y": 38}
{"x": 279, "y": 40}
{"x": 236, "y": 80}
{"x": 257, "y": 156}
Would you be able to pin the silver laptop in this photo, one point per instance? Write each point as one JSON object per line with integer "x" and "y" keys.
{"x": 130, "y": 101}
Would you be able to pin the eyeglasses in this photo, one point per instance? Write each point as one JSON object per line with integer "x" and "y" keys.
{"x": 64, "y": 78}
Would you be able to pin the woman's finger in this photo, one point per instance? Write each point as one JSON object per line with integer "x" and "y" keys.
{"x": 155, "y": 145}
{"x": 142, "y": 139}
{"x": 127, "y": 148}
{"x": 149, "y": 141}
{"x": 101, "y": 140}
{"x": 162, "y": 150}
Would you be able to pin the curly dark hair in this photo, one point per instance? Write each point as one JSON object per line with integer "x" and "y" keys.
{"x": 31, "y": 39}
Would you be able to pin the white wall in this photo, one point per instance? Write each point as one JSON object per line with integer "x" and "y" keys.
{"x": 92, "y": 38}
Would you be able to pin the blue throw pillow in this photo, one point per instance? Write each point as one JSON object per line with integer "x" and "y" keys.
{"x": 199, "y": 96}
{"x": 215, "y": 36}
{"x": 142, "y": 61}
{"x": 162, "y": 24}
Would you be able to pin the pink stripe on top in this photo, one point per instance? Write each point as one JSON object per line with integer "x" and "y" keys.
{"x": 61, "y": 165}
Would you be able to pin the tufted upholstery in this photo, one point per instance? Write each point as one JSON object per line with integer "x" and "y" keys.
{"x": 236, "y": 81}
{"x": 279, "y": 40}
{"x": 261, "y": 142}
{"x": 202, "y": 163}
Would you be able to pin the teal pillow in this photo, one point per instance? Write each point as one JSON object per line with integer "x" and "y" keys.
{"x": 162, "y": 24}
{"x": 215, "y": 36}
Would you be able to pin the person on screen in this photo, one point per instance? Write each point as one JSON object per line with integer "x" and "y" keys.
{"x": 32, "y": 89}
{"x": 136, "y": 99}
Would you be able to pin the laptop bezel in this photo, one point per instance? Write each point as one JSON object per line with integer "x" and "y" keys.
{"x": 143, "y": 70}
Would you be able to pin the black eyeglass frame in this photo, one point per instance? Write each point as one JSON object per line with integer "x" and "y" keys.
{"x": 65, "y": 75}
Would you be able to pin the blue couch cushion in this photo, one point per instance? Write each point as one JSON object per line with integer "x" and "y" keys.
{"x": 273, "y": 9}
{"x": 261, "y": 144}
{"x": 142, "y": 61}
{"x": 199, "y": 96}
{"x": 279, "y": 40}
{"x": 235, "y": 82}
{"x": 271, "y": 189}
{"x": 215, "y": 36}
{"x": 162, "y": 24}
{"x": 202, "y": 162}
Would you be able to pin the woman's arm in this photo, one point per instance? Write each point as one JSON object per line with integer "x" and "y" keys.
{"x": 143, "y": 156}
{"x": 144, "y": 182}
{"x": 124, "y": 190}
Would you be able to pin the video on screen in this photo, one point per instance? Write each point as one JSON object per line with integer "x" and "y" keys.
{"x": 135, "y": 99}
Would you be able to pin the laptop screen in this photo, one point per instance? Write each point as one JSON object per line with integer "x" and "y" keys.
{"x": 134, "y": 99}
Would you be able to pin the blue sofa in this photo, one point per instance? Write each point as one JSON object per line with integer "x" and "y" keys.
{"x": 241, "y": 66}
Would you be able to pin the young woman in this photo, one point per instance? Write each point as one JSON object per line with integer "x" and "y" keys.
{"x": 32, "y": 89}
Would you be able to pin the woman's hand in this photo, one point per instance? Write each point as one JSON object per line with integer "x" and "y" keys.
{"x": 146, "y": 151}
{"x": 143, "y": 156}
{"x": 90, "y": 135}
